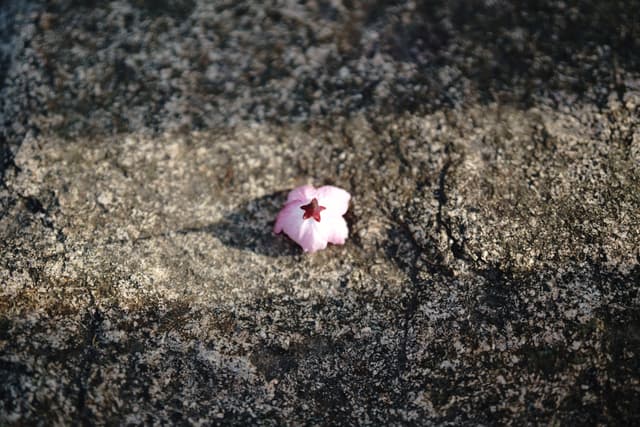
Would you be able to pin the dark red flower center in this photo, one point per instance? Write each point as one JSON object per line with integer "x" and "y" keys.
{"x": 312, "y": 210}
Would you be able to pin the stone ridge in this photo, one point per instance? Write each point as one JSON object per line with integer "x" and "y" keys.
{"x": 492, "y": 271}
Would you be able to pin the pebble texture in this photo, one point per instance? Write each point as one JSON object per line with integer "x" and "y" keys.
{"x": 492, "y": 272}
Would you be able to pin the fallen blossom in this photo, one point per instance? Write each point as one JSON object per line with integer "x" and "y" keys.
{"x": 312, "y": 217}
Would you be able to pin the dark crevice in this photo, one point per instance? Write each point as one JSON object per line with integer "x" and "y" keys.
{"x": 405, "y": 165}
{"x": 35, "y": 206}
{"x": 441, "y": 194}
{"x": 409, "y": 307}
{"x": 435, "y": 266}
{"x": 457, "y": 246}
{"x": 408, "y": 260}
{"x": 6, "y": 159}
{"x": 93, "y": 319}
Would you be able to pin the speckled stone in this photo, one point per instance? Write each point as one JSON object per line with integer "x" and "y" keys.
{"x": 492, "y": 273}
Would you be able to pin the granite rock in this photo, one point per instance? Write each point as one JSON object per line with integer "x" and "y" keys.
{"x": 492, "y": 273}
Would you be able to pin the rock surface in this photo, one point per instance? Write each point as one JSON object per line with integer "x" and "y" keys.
{"x": 492, "y": 273}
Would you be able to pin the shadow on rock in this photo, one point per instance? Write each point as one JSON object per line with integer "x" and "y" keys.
{"x": 250, "y": 227}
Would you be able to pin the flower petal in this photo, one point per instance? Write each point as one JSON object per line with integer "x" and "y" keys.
{"x": 334, "y": 199}
{"x": 308, "y": 233}
{"x": 289, "y": 218}
{"x": 312, "y": 236}
{"x": 336, "y": 228}
{"x": 304, "y": 193}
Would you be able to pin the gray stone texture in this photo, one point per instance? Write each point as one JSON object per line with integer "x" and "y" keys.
{"x": 491, "y": 276}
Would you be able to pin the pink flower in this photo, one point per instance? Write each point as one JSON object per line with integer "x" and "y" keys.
{"x": 312, "y": 217}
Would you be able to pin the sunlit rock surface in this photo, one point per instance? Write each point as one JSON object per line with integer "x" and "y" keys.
{"x": 491, "y": 274}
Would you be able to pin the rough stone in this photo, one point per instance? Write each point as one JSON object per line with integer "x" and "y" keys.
{"x": 492, "y": 272}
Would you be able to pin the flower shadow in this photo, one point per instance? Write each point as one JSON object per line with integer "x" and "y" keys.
{"x": 250, "y": 227}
